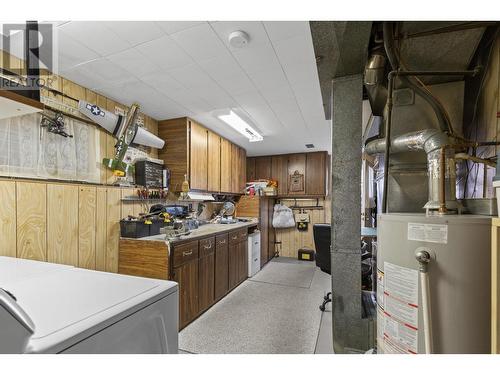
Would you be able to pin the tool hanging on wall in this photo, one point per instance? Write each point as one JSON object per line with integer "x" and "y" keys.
{"x": 55, "y": 125}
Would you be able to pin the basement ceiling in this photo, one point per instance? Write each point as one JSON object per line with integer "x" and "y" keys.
{"x": 177, "y": 68}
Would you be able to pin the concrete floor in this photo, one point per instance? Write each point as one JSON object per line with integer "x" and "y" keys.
{"x": 282, "y": 299}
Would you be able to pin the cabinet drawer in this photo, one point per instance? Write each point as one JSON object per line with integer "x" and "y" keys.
{"x": 207, "y": 246}
{"x": 234, "y": 236}
{"x": 185, "y": 252}
{"x": 221, "y": 240}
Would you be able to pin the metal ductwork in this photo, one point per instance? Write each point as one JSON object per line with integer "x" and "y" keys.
{"x": 423, "y": 124}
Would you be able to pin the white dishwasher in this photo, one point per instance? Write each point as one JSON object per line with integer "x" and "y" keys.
{"x": 253, "y": 253}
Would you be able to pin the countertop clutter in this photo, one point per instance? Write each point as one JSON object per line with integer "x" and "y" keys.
{"x": 202, "y": 231}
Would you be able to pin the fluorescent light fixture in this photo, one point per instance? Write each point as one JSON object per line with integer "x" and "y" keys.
{"x": 240, "y": 125}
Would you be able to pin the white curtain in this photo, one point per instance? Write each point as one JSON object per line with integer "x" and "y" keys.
{"x": 27, "y": 150}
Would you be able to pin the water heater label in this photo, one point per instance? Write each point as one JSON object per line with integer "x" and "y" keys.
{"x": 437, "y": 233}
{"x": 400, "y": 323}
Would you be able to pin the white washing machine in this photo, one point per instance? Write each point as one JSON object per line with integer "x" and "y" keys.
{"x": 53, "y": 308}
{"x": 253, "y": 253}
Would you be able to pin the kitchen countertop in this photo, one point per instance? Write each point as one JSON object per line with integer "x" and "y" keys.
{"x": 202, "y": 231}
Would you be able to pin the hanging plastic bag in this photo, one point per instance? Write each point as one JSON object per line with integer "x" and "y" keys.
{"x": 283, "y": 217}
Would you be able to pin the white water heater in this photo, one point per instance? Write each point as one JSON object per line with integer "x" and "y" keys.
{"x": 459, "y": 273}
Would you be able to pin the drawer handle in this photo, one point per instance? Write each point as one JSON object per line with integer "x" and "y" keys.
{"x": 207, "y": 247}
{"x": 234, "y": 238}
{"x": 187, "y": 253}
{"x": 222, "y": 242}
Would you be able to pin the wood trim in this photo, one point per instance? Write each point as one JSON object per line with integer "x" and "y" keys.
{"x": 8, "y": 94}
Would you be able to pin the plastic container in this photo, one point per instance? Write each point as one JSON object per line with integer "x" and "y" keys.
{"x": 134, "y": 228}
{"x": 154, "y": 227}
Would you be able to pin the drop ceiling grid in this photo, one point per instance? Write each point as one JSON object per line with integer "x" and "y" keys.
{"x": 288, "y": 108}
{"x": 286, "y": 76}
{"x": 230, "y": 96}
{"x": 114, "y": 90}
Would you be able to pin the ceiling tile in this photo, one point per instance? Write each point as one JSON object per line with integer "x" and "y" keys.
{"x": 171, "y": 27}
{"x": 162, "y": 81}
{"x": 258, "y": 58}
{"x": 200, "y": 42}
{"x": 95, "y": 36}
{"x": 278, "y": 30}
{"x": 268, "y": 78}
{"x": 72, "y": 53}
{"x": 104, "y": 72}
{"x": 191, "y": 76}
{"x": 135, "y": 32}
{"x": 165, "y": 53}
{"x": 133, "y": 62}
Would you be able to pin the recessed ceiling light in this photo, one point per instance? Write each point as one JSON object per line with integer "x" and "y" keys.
{"x": 238, "y": 39}
{"x": 309, "y": 145}
{"x": 240, "y": 125}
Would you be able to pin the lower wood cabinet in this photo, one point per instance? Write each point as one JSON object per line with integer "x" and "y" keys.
{"x": 221, "y": 266}
{"x": 187, "y": 277}
{"x": 207, "y": 270}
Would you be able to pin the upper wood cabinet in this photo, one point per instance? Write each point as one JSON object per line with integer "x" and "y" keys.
{"x": 312, "y": 165}
{"x": 225, "y": 166}
{"x": 297, "y": 164}
{"x": 214, "y": 162}
{"x": 242, "y": 169}
{"x": 210, "y": 162}
{"x": 316, "y": 173}
{"x": 263, "y": 167}
{"x": 198, "y": 160}
{"x": 279, "y": 170}
{"x": 251, "y": 169}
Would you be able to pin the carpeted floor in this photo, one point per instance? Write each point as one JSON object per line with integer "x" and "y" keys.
{"x": 276, "y": 311}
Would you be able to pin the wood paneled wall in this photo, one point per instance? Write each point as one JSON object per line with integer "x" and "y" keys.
{"x": 63, "y": 223}
{"x": 290, "y": 240}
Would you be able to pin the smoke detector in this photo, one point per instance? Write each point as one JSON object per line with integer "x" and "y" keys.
{"x": 238, "y": 39}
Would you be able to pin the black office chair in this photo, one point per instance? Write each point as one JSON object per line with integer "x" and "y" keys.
{"x": 322, "y": 242}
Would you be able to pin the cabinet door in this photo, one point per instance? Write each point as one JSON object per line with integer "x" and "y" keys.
{"x": 315, "y": 173}
{"x": 250, "y": 169}
{"x": 263, "y": 167}
{"x": 206, "y": 281}
{"x": 214, "y": 162}
{"x": 242, "y": 168}
{"x": 243, "y": 260}
{"x": 233, "y": 256}
{"x": 187, "y": 277}
{"x": 235, "y": 169}
{"x": 297, "y": 162}
{"x": 221, "y": 267}
{"x": 279, "y": 172}
{"x": 198, "y": 157}
{"x": 225, "y": 163}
